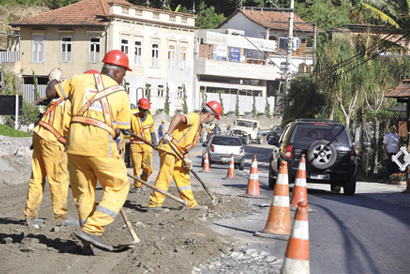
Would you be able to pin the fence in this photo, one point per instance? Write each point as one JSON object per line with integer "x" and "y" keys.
{"x": 9, "y": 56}
{"x": 28, "y": 92}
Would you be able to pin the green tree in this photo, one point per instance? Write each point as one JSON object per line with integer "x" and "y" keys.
{"x": 36, "y": 93}
{"x": 184, "y": 100}
{"x": 204, "y": 99}
{"x": 221, "y": 101}
{"x": 267, "y": 108}
{"x": 167, "y": 102}
{"x": 254, "y": 111}
{"x": 237, "y": 105}
{"x": 207, "y": 18}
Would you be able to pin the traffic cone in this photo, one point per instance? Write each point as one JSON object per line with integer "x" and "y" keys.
{"x": 297, "y": 251}
{"x": 231, "y": 169}
{"x": 300, "y": 189}
{"x": 253, "y": 190}
{"x": 278, "y": 224}
{"x": 206, "y": 168}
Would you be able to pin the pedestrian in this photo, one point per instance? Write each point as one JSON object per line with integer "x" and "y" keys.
{"x": 161, "y": 129}
{"x": 182, "y": 135}
{"x": 229, "y": 130}
{"x": 49, "y": 160}
{"x": 100, "y": 110}
{"x": 391, "y": 147}
{"x": 142, "y": 125}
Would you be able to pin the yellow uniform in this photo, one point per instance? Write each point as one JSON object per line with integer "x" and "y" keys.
{"x": 186, "y": 136}
{"x": 92, "y": 152}
{"x": 141, "y": 152}
{"x": 49, "y": 160}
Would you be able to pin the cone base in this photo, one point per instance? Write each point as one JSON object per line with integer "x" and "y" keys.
{"x": 227, "y": 178}
{"x": 309, "y": 209}
{"x": 276, "y": 236}
{"x": 252, "y": 196}
{"x": 205, "y": 171}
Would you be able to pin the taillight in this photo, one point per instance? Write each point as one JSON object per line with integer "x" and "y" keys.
{"x": 288, "y": 152}
{"x": 240, "y": 150}
{"x": 352, "y": 156}
{"x": 212, "y": 148}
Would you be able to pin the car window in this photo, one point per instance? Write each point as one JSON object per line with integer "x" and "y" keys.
{"x": 335, "y": 134}
{"x": 226, "y": 141}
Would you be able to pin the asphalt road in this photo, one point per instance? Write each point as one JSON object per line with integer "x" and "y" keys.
{"x": 365, "y": 233}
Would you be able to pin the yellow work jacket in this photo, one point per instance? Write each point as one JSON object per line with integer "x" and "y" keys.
{"x": 142, "y": 129}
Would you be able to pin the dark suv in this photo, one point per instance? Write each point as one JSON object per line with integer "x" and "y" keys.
{"x": 329, "y": 152}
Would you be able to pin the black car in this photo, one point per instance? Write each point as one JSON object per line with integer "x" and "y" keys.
{"x": 329, "y": 152}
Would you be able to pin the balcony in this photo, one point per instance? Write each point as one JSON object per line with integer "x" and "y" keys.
{"x": 9, "y": 56}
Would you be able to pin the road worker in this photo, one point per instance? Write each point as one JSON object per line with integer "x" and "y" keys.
{"x": 100, "y": 110}
{"x": 142, "y": 125}
{"x": 49, "y": 160}
{"x": 182, "y": 135}
{"x": 161, "y": 129}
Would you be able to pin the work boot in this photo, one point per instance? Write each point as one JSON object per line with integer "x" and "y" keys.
{"x": 34, "y": 222}
{"x": 95, "y": 240}
{"x": 199, "y": 207}
{"x": 158, "y": 209}
{"x": 68, "y": 221}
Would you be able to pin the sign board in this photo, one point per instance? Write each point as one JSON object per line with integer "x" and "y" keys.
{"x": 235, "y": 54}
{"x": 8, "y": 105}
{"x": 402, "y": 128}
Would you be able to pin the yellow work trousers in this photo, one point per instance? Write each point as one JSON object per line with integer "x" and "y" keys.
{"x": 112, "y": 175}
{"x": 141, "y": 156}
{"x": 171, "y": 167}
{"x": 49, "y": 160}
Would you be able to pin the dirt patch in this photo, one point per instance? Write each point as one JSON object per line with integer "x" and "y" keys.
{"x": 170, "y": 243}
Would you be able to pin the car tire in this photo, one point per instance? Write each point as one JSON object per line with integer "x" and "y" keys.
{"x": 246, "y": 140}
{"x": 242, "y": 164}
{"x": 321, "y": 154}
{"x": 271, "y": 180}
{"x": 350, "y": 187}
{"x": 259, "y": 141}
{"x": 202, "y": 162}
{"x": 335, "y": 188}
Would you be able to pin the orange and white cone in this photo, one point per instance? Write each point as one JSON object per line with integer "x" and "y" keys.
{"x": 253, "y": 190}
{"x": 297, "y": 251}
{"x": 231, "y": 169}
{"x": 300, "y": 189}
{"x": 206, "y": 168}
{"x": 278, "y": 225}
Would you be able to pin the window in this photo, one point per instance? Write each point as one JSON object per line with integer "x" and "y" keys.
{"x": 137, "y": 53}
{"x": 160, "y": 91}
{"x": 283, "y": 43}
{"x": 180, "y": 92}
{"x": 66, "y": 48}
{"x": 124, "y": 46}
{"x": 155, "y": 55}
{"x": 124, "y": 10}
{"x": 37, "y": 49}
{"x": 95, "y": 50}
{"x": 172, "y": 18}
{"x": 171, "y": 57}
{"x": 183, "y": 58}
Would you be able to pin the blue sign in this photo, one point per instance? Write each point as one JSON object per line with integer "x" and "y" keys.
{"x": 235, "y": 55}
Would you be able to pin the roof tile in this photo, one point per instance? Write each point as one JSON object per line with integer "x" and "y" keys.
{"x": 402, "y": 90}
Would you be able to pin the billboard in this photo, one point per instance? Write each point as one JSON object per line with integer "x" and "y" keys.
{"x": 8, "y": 104}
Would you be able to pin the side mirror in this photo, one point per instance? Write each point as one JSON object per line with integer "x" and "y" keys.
{"x": 204, "y": 144}
{"x": 272, "y": 141}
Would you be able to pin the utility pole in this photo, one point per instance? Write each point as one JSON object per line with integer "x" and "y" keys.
{"x": 289, "y": 55}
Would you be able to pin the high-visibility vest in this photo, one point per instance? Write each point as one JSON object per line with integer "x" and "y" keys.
{"x": 49, "y": 125}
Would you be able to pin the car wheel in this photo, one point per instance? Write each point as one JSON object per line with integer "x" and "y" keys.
{"x": 350, "y": 187}
{"x": 202, "y": 162}
{"x": 246, "y": 140}
{"x": 271, "y": 180}
{"x": 335, "y": 188}
{"x": 321, "y": 154}
{"x": 259, "y": 140}
{"x": 242, "y": 164}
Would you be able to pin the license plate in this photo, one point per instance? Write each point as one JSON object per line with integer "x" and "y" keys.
{"x": 225, "y": 159}
{"x": 320, "y": 176}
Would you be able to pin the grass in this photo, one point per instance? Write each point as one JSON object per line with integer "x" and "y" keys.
{"x": 11, "y": 132}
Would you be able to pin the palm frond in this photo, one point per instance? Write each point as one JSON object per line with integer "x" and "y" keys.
{"x": 381, "y": 15}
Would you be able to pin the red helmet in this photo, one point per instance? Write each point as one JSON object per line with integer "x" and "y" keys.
{"x": 118, "y": 58}
{"x": 216, "y": 108}
{"x": 92, "y": 71}
{"x": 144, "y": 103}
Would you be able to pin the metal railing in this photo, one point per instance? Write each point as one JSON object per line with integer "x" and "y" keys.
{"x": 9, "y": 56}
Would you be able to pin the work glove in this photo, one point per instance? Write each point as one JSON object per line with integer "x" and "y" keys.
{"x": 188, "y": 163}
{"x": 167, "y": 138}
{"x": 55, "y": 74}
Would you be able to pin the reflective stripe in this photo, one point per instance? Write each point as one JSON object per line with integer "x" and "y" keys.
{"x": 106, "y": 211}
{"x": 300, "y": 182}
{"x": 94, "y": 122}
{"x": 187, "y": 118}
{"x": 124, "y": 123}
{"x": 282, "y": 179}
{"x": 254, "y": 164}
{"x": 280, "y": 201}
{"x": 62, "y": 91}
{"x": 300, "y": 230}
{"x": 254, "y": 176}
{"x": 302, "y": 166}
{"x": 182, "y": 188}
{"x": 53, "y": 130}
{"x": 82, "y": 222}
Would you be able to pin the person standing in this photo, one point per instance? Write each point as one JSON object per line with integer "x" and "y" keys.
{"x": 161, "y": 129}
{"x": 49, "y": 160}
{"x": 391, "y": 147}
{"x": 142, "y": 125}
{"x": 100, "y": 110}
{"x": 182, "y": 135}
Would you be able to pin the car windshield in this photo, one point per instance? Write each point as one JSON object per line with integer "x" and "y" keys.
{"x": 241, "y": 123}
{"x": 226, "y": 141}
{"x": 335, "y": 134}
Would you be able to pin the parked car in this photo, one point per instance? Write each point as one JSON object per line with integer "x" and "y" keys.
{"x": 274, "y": 134}
{"x": 329, "y": 152}
{"x": 220, "y": 148}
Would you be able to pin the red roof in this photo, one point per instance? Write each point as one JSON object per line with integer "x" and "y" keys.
{"x": 273, "y": 20}
{"x": 402, "y": 90}
{"x": 84, "y": 13}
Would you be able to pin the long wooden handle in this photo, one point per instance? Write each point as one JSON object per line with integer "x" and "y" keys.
{"x": 127, "y": 222}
